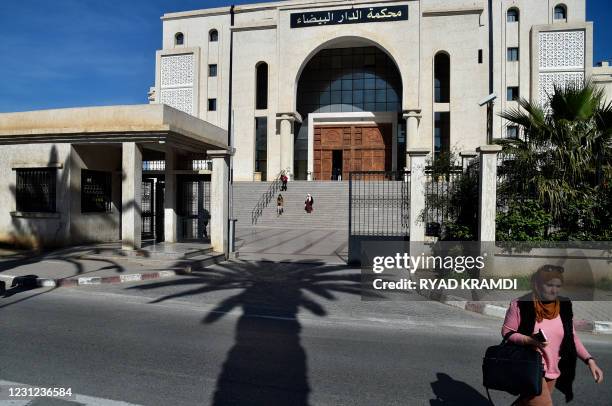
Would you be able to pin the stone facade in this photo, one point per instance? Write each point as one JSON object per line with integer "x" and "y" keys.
{"x": 476, "y": 36}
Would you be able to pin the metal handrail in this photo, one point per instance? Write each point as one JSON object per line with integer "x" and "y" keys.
{"x": 265, "y": 198}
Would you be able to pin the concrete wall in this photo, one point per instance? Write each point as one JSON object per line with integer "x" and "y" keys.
{"x": 99, "y": 227}
{"x": 602, "y": 77}
{"x": 35, "y": 230}
{"x": 582, "y": 266}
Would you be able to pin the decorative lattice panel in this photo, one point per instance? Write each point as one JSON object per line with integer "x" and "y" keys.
{"x": 179, "y": 98}
{"x": 562, "y": 49}
{"x": 176, "y": 70}
{"x": 562, "y": 79}
{"x": 176, "y": 81}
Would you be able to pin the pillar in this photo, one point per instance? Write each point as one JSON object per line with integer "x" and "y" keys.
{"x": 219, "y": 201}
{"x": 170, "y": 211}
{"x": 287, "y": 141}
{"x": 131, "y": 196}
{"x": 487, "y": 192}
{"x": 412, "y": 118}
{"x": 417, "y": 192}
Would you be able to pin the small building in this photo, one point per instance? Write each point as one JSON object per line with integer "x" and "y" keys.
{"x": 98, "y": 174}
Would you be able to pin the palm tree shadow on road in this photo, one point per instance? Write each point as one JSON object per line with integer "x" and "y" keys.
{"x": 267, "y": 363}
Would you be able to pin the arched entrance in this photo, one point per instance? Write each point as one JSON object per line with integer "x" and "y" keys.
{"x": 349, "y": 98}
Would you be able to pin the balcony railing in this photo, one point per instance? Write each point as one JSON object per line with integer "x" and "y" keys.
{"x": 160, "y": 165}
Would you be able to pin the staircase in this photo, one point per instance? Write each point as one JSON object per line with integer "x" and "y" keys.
{"x": 330, "y": 205}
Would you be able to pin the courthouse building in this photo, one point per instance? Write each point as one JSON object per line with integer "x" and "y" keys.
{"x": 316, "y": 88}
{"x": 320, "y": 88}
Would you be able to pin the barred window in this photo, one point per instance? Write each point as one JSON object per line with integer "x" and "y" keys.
{"x": 35, "y": 191}
{"x": 95, "y": 191}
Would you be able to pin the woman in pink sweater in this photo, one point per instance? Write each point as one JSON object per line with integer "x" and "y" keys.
{"x": 544, "y": 309}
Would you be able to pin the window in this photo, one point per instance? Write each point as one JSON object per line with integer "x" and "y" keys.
{"x": 560, "y": 12}
{"x": 96, "y": 192}
{"x": 179, "y": 38}
{"x": 35, "y": 190}
{"x": 212, "y": 104}
{"x": 513, "y": 93}
{"x": 261, "y": 92}
{"x": 513, "y": 54}
{"x": 441, "y": 133}
{"x": 213, "y": 36}
{"x": 212, "y": 70}
{"x": 357, "y": 82}
{"x": 512, "y": 131}
{"x": 442, "y": 78}
{"x": 261, "y": 146}
{"x": 480, "y": 56}
{"x": 513, "y": 15}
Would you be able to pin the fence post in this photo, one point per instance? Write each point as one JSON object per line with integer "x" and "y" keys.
{"x": 219, "y": 201}
{"x": 417, "y": 192}
{"x": 487, "y": 191}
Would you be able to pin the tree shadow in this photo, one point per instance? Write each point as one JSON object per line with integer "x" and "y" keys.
{"x": 450, "y": 392}
{"x": 267, "y": 363}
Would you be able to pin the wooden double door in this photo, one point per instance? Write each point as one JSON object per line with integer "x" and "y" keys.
{"x": 339, "y": 150}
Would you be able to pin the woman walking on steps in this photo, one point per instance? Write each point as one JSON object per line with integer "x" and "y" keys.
{"x": 543, "y": 309}
{"x": 279, "y": 204}
{"x": 308, "y": 204}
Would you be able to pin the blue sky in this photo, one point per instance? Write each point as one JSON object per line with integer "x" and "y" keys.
{"x": 66, "y": 53}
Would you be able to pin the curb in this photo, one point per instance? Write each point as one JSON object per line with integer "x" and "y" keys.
{"x": 33, "y": 281}
{"x": 98, "y": 280}
{"x": 588, "y": 326}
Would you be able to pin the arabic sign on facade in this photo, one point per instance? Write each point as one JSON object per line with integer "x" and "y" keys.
{"x": 349, "y": 16}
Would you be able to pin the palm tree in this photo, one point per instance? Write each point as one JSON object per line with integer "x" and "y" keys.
{"x": 564, "y": 154}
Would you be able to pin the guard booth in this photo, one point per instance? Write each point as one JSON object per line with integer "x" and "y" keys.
{"x": 142, "y": 173}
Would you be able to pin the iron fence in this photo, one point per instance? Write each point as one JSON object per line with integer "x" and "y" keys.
{"x": 379, "y": 203}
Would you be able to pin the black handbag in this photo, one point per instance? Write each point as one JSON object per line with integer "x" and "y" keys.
{"x": 512, "y": 368}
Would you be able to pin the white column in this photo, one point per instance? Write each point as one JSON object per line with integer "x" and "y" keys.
{"x": 131, "y": 195}
{"x": 487, "y": 192}
{"x": 417, "y": 192}
{"x": 412, "y": 118}
{"x": 219, "y": 200}
{"x": 310, "y": 166}
{"x": 287, "y": 140}
{"x": 170, "y": 216}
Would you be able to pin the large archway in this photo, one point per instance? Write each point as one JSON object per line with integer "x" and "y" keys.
{"x": 357, "y": 88}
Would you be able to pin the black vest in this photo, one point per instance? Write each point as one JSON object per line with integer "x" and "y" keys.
{"x": 567, "y": 352}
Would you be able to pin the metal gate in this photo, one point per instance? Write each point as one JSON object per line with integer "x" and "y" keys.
{"x": 148, "y": 209}
{"x": 194, "y": 205}
{"x": 152, "y": 205}
{"x": 379, "y": 203}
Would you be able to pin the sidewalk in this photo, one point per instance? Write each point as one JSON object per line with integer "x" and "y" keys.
{"x": 101, "y": 263}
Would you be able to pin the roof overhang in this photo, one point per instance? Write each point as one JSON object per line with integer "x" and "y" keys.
{"x": 147, "y": 123}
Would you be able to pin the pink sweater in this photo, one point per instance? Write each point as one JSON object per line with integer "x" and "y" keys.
{"x": 554, "y": 332}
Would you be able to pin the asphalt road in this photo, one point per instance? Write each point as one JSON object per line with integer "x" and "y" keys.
{"x": 176, "y": 343}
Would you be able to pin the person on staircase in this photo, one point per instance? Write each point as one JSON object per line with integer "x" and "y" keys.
{"x": 279, "y": 204}
{"x": 284, "y": 180}
{"x": 308, "y": 204}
